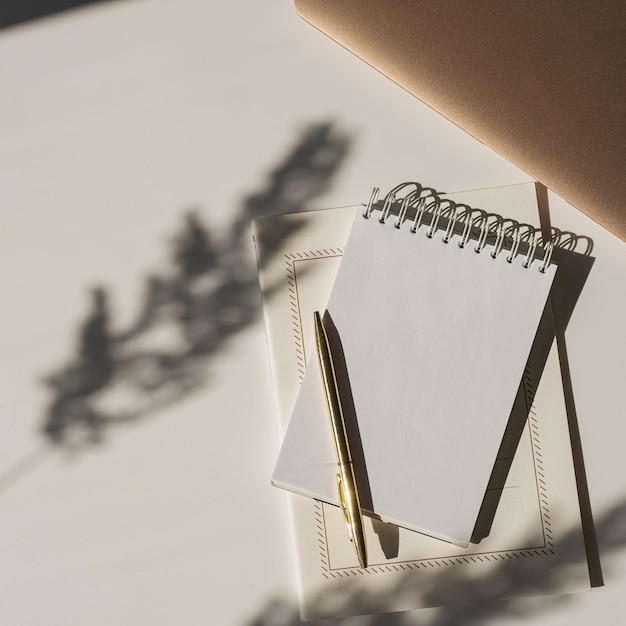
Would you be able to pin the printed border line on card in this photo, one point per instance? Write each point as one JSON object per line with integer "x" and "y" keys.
{"x": 294, "y": 297}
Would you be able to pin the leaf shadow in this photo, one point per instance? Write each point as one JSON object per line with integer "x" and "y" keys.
{"x": 463, "y": 599}
{"x": 188, "y": 313}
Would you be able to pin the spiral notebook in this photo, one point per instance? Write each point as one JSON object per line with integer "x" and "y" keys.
{"x": 435, "y": 306}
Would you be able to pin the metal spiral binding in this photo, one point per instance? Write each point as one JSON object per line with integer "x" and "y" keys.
{"x": 471, "y": 223}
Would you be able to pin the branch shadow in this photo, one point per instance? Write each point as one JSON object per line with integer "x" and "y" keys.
{"x": 187, "y": 314}
{"x": 467, "y": 597}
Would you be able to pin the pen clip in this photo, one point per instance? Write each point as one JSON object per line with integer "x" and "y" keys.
{"x": 344, "y": 508}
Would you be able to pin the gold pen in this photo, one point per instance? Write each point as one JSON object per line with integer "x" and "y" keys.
{"x": 346, "y": 482}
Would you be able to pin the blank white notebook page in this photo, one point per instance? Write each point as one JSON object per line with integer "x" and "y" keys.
{"x": 435, "y": 339}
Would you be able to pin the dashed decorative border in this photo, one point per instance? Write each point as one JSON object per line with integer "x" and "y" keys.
{"x": 320, "y": 521}
{"x": 540, "y": 476}
{"x": 294, "y": 300}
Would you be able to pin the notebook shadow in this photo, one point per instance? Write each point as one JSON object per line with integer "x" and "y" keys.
{"x": 516, "y": 424}
{"x": 388, "y": 534}
{"x": 573, "y": 256}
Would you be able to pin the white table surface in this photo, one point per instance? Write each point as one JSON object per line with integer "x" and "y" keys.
{"x": 115, "y": 121}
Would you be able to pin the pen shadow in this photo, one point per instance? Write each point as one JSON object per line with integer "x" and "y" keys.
{"x": 388, "y": 534}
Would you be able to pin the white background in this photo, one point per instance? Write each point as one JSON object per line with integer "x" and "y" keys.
{"x": 115, "y": 121}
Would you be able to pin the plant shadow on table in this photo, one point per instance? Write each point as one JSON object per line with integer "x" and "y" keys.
{"x": 464, "y": 597}
{"x": 188, "y": 314}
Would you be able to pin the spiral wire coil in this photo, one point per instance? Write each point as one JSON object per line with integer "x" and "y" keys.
{"x": 487, "y": 229}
